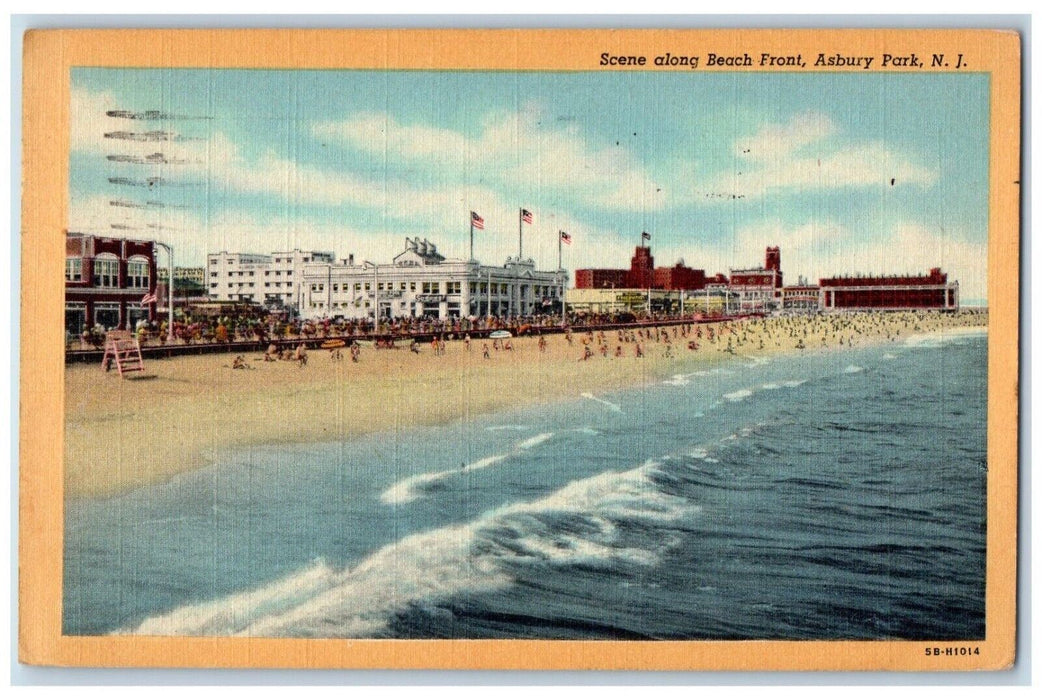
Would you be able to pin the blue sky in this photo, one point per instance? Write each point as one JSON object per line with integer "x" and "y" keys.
{"x": 715, "y": 166}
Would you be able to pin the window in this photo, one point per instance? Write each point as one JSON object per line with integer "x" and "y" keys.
{"x": 358, "y": 286}
{"x": 454, "y": 287}
{"x": 73, "y": 269}
{"x": 412, "y": 286}
{"x": 106, "y": 272}
{"x": 402, "y": 287}
{"x": 137, "y": 274}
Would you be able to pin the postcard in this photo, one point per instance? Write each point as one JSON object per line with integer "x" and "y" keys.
{"x": 520, "y": 349}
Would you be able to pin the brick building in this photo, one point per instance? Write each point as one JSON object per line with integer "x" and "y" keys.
{"x": 759, "y": 288}
{"x": 642, "y": 274}
{"x": 105, "y": 281}
{"x": 931, "y": 291}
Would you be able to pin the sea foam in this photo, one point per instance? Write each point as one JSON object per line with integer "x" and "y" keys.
{"x": 426, "y": 567}
{"x": 613, "y": 406}
{"x": 410, "y": 489}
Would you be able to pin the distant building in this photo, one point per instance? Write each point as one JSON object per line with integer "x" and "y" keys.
{"x": 642, "y": 274}
{"x": 106, "y": 280}
{"x": 196, "y": 275}
{"x": 801, "y": 296}
{"x": 273, "y": 280}
{"x": 601, "y": 279}
{"x": 421, "y": 282}
{"x": 931, "y": 291}
{"x": 759, "y": 288}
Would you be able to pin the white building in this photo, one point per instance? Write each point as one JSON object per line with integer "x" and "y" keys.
{"x": 421, "y": 282}
{"x": 196, "y": 275}
{"x": 270, "y": 280}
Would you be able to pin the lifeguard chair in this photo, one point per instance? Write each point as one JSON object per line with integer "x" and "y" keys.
{"x": 122, "y": 347}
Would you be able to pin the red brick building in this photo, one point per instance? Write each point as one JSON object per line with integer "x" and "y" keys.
{"x": 932, "y": 291}
{"x": 759, "y": 288}
{"x": 642, "y": 275}
{"x": 105, "y": 281}
{"x": 601, "y": 279}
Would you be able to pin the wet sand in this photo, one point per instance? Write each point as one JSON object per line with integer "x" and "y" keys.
{"x": 183, "y": 413}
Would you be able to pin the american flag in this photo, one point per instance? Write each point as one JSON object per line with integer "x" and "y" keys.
{"x": 476, "y": 221}
{"x": 149, "y": 299}
{"x": 565, "y": 238}
{"x": 526, "y": 216}
{"x": 645, "y": 236}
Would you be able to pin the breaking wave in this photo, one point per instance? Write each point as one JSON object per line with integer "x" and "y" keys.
{"x": 577, "y": 525}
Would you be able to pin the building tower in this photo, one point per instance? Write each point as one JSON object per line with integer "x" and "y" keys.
{"x": 773, "y": 262}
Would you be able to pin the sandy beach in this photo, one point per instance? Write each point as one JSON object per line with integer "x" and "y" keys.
{"x": 182, "y": 413}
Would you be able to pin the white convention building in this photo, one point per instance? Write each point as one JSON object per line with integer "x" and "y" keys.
{"x": 270, "y": 280}
{"x": 420, "y": 282}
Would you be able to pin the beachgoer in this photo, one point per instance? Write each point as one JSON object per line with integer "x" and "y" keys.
{"x": 239, "y": 363}
{"x": 484, "y": 350}
{"x": 272, "y": 353}
{"x": 301, "y": 355}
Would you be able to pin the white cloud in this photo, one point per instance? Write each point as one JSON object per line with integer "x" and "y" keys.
{"x": 519, "y": 151}
{"x": 801, "y": 155}
{"x": 776, "y": 140}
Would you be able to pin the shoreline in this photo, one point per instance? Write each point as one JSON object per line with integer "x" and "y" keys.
{"x": 183, "y": 413}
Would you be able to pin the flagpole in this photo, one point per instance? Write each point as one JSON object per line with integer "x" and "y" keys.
{"x": 560, "y": 239}
{"x": 517, "y": 283}
{"x": 472, "y": 236}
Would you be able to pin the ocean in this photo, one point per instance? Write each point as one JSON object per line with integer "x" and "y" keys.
{"x": 827, "y": 495}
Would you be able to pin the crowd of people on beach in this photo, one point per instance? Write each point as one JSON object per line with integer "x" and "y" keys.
{"x": 259, "y": 326}
{"x": 733, "y": 337}
{"x": 659, "y": 336}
